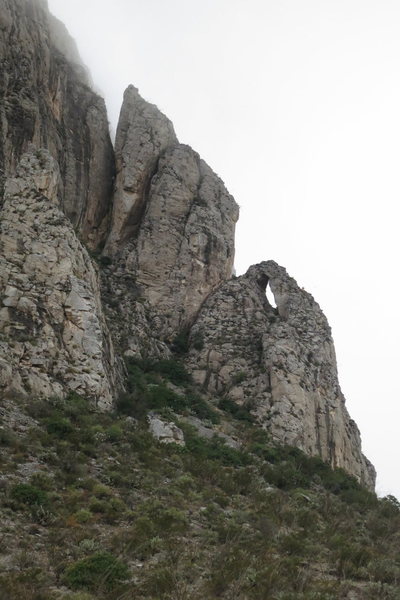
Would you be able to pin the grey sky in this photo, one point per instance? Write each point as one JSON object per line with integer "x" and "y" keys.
{"x": 296, "y": 106}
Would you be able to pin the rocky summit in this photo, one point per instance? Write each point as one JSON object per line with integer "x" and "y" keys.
{"x": 149, "y": 396}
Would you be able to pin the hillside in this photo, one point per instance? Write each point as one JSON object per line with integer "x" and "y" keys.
{"x": 94, "y": 507}
{"x": 166, "y": 431}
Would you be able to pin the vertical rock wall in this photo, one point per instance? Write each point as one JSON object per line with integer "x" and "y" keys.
{"x": 45, "y": 98}
{"x": 173, "y": 220}
{"x": 53, "y": 336}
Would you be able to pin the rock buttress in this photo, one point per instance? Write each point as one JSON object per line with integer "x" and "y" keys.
{"x": 54, "y": 338}
{"x": 45, "y": 98}
{"x": 173, "y": 220}
{"x": 280, "y": 363}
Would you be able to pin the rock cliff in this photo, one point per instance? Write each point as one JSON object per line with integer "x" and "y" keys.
{"x": 163, "y": 236}
{"x": 173, "y": 221}
{"x": 54, "y": 338}
{"x": 279, "y": 362}
{"x": 45, "y": 98}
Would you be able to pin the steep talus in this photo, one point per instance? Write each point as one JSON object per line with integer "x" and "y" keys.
{"x": 280, "y": 363}
{"x": 54, "y": 338}
{"x": 45, "y": 99}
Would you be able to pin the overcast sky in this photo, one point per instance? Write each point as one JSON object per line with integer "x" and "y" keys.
{"x": 296, "y": 105}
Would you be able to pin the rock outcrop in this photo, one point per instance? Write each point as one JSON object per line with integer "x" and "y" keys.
{"x": 165, "y": 433}
{"x": 173, "y": 221}
{"x": 280, "y": 363}
{"x": 165, "y": 232}
{"x": 143, "y": 134}
{"x": 54, "y": 338}
{"x": 45, "y": 99}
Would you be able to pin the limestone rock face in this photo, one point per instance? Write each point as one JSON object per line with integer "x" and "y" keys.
{"x": 167, "y": 242}
{"x": 279, "y": 362}
{"x": 143, "y": 133}
{"x": 173, "y": 221}
{"x": 53, "y": 336}
{"x": 45, "y": 99}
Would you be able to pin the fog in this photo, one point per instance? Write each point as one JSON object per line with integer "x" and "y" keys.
{"x": 296, "y": 106}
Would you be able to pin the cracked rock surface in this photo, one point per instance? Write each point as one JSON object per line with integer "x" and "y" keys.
{"x": 280, "y": 363}
{"x": 46, "y": 99}
{"x": 53, "y": 336}
{"x": 160, "y": 224}
{"x": 173, "y": 221}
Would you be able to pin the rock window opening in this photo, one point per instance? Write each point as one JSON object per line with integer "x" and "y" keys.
{"x": 270, "y": 296}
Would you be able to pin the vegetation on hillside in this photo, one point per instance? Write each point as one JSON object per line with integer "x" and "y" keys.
{"x": 93, "y": 507}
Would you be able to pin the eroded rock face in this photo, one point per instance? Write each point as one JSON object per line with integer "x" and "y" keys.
{"x": 166, "y": 266}
{"x": 279, "y": 362}
{"x": 53, "y": 336}
{"x": 143, "y": 134}
{"x": 45, "y": 99}
{"x": 173, "y": 221}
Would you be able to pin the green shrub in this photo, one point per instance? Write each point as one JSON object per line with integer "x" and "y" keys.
{"x": 158, "y": 582}
{"x": 201, "y": 408}
{"x": 114, "y": 433}
{"x": 25, "y": 493}
{"x": 142, "y": 372}
{"x": 76, "y": 406}
{"x": 359, "y": 496}
{"x": 28, "y": 584}
{"x": 83, "y": 516}
{"x": 105, "y": 261}
{"x": 42, "y": 481}
{"x": 180, "y": 344}
{"x": 132, "y": 404}
{"x": 160, "y": 396}
{"x": 171, "y": 520}
{"x": 197, "y": 341}
{"x": 389, "y": 507}
{"x": 102, "y": 491}
{"x": 101, "y": 570}
{"x": 59, "y": 426}
{"x": 385, "y": 570}
{"x": 214, "y": 449}
{"x": 172, "y": 370}
{"x": 293, "y": 544}
{"x": 7, "y": 437}
{"x": 242, "y": 413}
{"x": 153, "y": 519}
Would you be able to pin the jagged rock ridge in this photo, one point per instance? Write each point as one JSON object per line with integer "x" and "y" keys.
{"x": 167, "y": 264}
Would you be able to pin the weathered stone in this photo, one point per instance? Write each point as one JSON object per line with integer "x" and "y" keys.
{"x": 280, "y": 363}
{"x": 173, "y": 220}
{"x": 185, "y": 246}
{"x": 167, "y": 261}
{"x": 54, "y": 336}
{"x": 208, "y": 432}
{"x": 166, "y": 433}
{"x": 143, "y": 134}
{"x": 45, "y": 98}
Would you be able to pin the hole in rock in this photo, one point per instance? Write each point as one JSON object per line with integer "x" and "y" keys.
{"x": 270, "y": 296}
